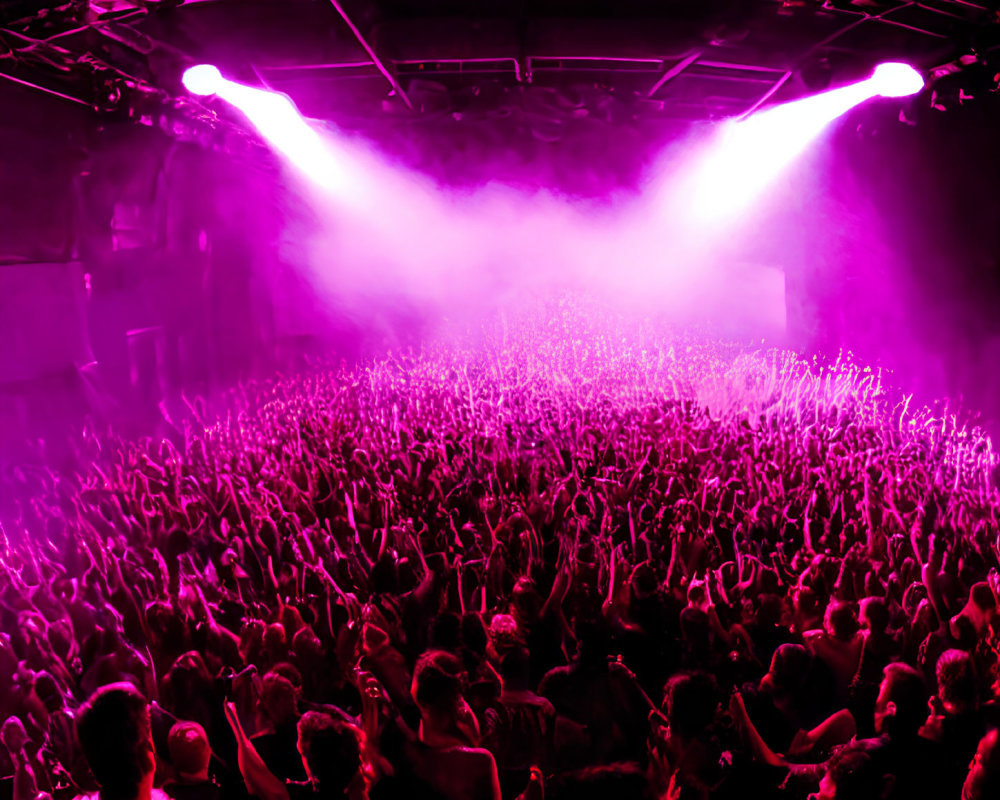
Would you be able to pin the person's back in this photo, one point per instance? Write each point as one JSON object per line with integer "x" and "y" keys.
{"x": 914, "y": 765}
{"x": 446, "y": 757}
{"x": 603, "y": 697}
{"x": 526, "y": 727}
{"x": 839, "y": 645}
{"x": 455, "y": 771}
{"x": 276, "y": 744}
{"x": 523, "y": 733}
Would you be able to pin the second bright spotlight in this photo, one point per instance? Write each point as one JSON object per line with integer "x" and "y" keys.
{"x": 749, "y": 154}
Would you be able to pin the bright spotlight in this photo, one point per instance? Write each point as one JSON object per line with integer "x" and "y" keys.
{"x": 278, "y": 120}
{"x": 749, "y": 154}
{"x": 894, "y": 79}
{"x": 202, "y": 79}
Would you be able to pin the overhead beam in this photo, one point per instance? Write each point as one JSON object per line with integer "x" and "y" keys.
{"x": 673, "y": 72}
{"x": 13, "y": 79}
{"x": 771, "y": 92}
{"x": 387, "y": 73}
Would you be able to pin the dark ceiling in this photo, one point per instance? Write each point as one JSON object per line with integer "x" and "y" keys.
{"x": 342, "y": 59}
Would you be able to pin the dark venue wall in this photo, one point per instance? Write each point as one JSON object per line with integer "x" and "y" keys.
{"x": 44, "y": 340}
{"x": 131, "y": 266}
{"x": 919, "y": 248}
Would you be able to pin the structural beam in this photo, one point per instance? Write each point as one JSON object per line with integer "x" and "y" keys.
{"x": 38, "y": 87}
{"x": 370, "y": 50}
{"x": 673, "y": 72}
{"x": 771, "y": 92}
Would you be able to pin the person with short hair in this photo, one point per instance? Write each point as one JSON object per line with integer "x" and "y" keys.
{"x": 956, "y": 719}
{"x": 114, "y": 733}
{"x": 449, "y": 758}
{"x": 913, "y": 764}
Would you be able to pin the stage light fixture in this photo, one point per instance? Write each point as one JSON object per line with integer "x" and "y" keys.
{"x": 894, "y": 79}
{"x": 748, "y": 154}
{"x": 203, "y": 79}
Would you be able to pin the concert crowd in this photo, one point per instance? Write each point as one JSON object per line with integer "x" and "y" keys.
{"x": 559, "y": 568}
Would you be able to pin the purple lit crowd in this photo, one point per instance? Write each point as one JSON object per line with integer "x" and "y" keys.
{"x": 574, "y": 574}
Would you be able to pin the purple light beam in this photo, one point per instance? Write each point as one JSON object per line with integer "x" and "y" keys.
{"x": 748, "y": 154}
{"x": 277, "y": 119}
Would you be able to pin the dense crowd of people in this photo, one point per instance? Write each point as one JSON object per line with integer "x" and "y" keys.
{"x": 548, "y": 566}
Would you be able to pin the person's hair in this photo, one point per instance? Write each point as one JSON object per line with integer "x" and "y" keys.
{"x": 446, "y": 631}
{"x": 437, "y": 681}
{"x": 278, "y": 699}
{"x": 956, "y": 679}
{"x": 789, "y": 668}
{"x": 696, "y": 592}
{"x": 907, "y": 691}
{"x": 186, "y": 683}
{"x": 769, "y": 609}
{"x": 166, "y": 625}
{"x": 854, "y": 774}
{"x": 48, "y": 692}
{"x": 643, "y": 581}
{"x": 691, "y": 702}
{"x": 841, "y": 621}
{"x": 982, "y": 597}
{"x": 275, "y": 636}
{"x": 807, "y": 601}
{"x": 694, "y": 624}
{"x": 303, "y": 639}
{"x": 113, "y": 731}
{"x": 515, "y": 668}
{"x": 525, "y": 599}
{"x": 331, "y": 749}
{"x": 876, "y": 613}
{"x": 188, "y": 746}
{"x": 289, "y": 672}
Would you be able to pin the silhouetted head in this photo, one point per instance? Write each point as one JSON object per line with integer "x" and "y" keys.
{"x": 113, "y": 730}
